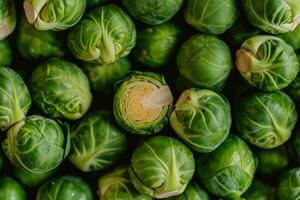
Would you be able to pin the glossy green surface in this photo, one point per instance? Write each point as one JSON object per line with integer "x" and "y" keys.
{"x": 30, "y": 179}
{"x": 11, "y": 190}
{"x": 289, "y": 185}
{"x": 6, "y": 53}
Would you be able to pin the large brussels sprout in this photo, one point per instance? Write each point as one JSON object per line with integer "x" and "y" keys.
{"x": 11, "y": 190}
{"x": 294, "y": 88}
{"x": 205, "y": 61}
{"x": 152, "y": 12}
{"x": 289, "y": 185}
{"x": 292, "y": 37}
{"x": 54, "y": 14}
{"x": 116, "y": 185}
{"x": 30, "y": 179}
{"x": 156, "y": 44}
{"x": 294, "y": 146}
{"x": 211, "y": 16}
{"x": 228, "y": 171}
{"x": 142, "y": 103}
{"x": 267, "y": 62}
{"x": 7, "y": 18}
{"x": 33, "y": 44}
{"x": 103, "y": 78}
{"x": 15, "y": 99}
{"x": 161, "y": 167}
{"x": 202, "y": 118}
{"x": 103, "y": 35}
{"x": 61, "y": 89}
{"x": 266, "y": 119}
{"x": 36, "y": 144}
{"x": 5, "y": 53}
{"x": 65, "y": 188}
{"x": 276, "y": 16}
{"x": 96, "y": 142}
{"x": 93, "y": 3}
{"x": 259, "y": 191}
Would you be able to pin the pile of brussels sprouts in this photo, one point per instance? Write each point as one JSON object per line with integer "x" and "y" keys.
{"x": 149, "y": 99}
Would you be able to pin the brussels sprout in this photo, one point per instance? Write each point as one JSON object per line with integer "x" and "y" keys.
{"x": 259, "y": 191}
{"x": 267, "y": 62}
{"x": 5, "y": 53}
{"x": 116, "y": 185}
{"x": 292, "y": 37}
{"x": 142, "y": 103}
{"x": 202, "y": 118}
{"x": 11, "y": 190}
{"x": 289, "y": 185}
{"x": 36, "y": 144}
{"x": 103, "y": 35}
{"x": 152, "y": 12}
{"x": 103, "y": 78}
{"x": 294, "y": 88}
{"x": 33, "y": 44}
{"x": 276, "y": 16}
{"x": 65, "y": 188}
{"x": 266, "y": 119}
{"x": 161, "y": 167}
{"x": 54, "y": 14}
{"x": 31, "y": 179}
{"x": 211, "y": 16}
{"x": 294, "y": 146}
{"x": 205, "y": 61}
{"x": 15, "y": 99}
{"x": 96, "y": 142}
{"x": 93, "y": 3}
{"x": 7, "y": 18}
{"x": 156, "y": 44}
{"x": 228, "y": 171}
{"x": 61, "y": 89}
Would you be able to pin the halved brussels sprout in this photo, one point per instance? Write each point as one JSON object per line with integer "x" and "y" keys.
{"x": 289, "y": 185}
{"x": 54, "y": 14}
{"x": 30, "y": 179}
{"x": 93, "y": 3}
{"x": 294, "y": 88}
{"x": 142, "y": 103}
{"x": 294, "y": 146}
{"x": 11, "y": 190}
{"x": 276, "y": 16}
{"x": 33, "y": 44}
{"x": 227, "y": 171}
{"x": 103, "y": 78}
{"x": 156, "y": 44}
{"x": 292, "y": 37}
{"x": 36, "y": 144}
{"x": 152, "y": 12}
{"x": 259, "y": 191}
{"x": 205, "y": 61}
{"x": 267, "y": 62}
{"x": 65, "y": 188}
{"x": 15, "y": 99}
{"x": 202, "y": 118}
{"x": 211, "y": 16}
{"x": 103, "y": 35}
{"x": 116, "y": 185}
{"x": 5, "y": 53}
{"x": 266, "y": 119}
{"x": 8, "y": 19}
{"x": 161, "y": 167}
{"x": 96, "y": 142}
{"x": 61, "y": 89}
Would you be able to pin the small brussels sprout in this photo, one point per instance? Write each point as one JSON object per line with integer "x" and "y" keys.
{"x": 294, "y": 146}
{"x": 292, "y": 37}
{"x": 11, "y": 190}
{"x": 116, "y": 185}
{"x": 289, "y": 185}
{"x": 54, "y": 14}
{"x": 152, "y": 12}
{"x": 202, "y": 118}
{"x": 5, "y": 53}
{"x": 228, "y": 171}
{"x": 259, "y": 191}
{"x": 211, "y": 16}
{"x": 156, "y": 44}
{"x": 15, "y": 99}
{"x": 33, "y": 44}
{"x": 103, "y": 35}
{"x": 61, "y": 89}
{"x": 142, "y": 103}
{"x": 65, "y": 188}
{"x": 93, "y": 3}
{"x": 294, "y": 88}
{"x": 8, "y": 19}
{"x": 96, "y": 142}
{"x": 267, "y": 62}
{"x": 276, "y": 16}
{"x": 36, "y": 144}
{"x": 266, "y": 119}
{"x": 161, "y": 167}
{"x": 30, "y": 179}
{"x": 205, "y": 61}
{"x": 103, "y": 78}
